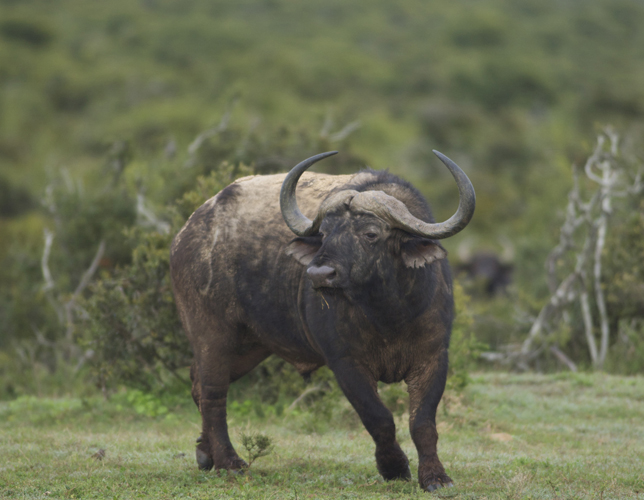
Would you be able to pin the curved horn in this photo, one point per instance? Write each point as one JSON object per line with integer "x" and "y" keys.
{"x": 397, "y": 214}
{"x": 295, "y": 220}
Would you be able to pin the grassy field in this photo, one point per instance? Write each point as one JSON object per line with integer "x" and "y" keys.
{"x": 508, "y": 436}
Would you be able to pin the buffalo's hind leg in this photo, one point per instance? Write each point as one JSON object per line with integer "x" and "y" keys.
{"x": 203, "y": 459}
{"x": 210, "y": 385}
{"x": 211, "y": 374}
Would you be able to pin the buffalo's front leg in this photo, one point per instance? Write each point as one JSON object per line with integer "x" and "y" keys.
{"x": 426, "y": 385}
{"x": 361, "y": 390}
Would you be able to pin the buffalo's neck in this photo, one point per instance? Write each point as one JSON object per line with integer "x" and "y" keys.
{"x": 394, "y": 302}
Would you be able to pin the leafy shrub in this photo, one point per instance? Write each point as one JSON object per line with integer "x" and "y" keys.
{"x": 133, "y": 327}
{"x": 624, "y": 285}
{"x": 624, "y": 274}
{"x": 40, "y": 410}
{"x": 143, "y": 403}
{"x": 627, "y": 354}
{"x": 256, "y": 445}
{"x": 465, "y": 348}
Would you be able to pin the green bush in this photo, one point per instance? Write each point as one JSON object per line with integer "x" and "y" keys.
{"x": 132, "y": 326}
{"x": 256, "y": 445}
{"x": 465, "y": 348}
{"x": 624, "y": 288}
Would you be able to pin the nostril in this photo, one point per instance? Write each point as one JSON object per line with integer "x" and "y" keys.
{"x": 320, "y": 275}
{"x": 322, "y": 271}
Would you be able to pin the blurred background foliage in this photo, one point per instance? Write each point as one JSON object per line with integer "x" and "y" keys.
{"x": 118, "y": 119}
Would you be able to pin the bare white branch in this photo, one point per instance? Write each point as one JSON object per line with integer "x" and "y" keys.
{"x": 602, "y": 224}
{"x": 327, "y": 125}
{"x": 44, "y": 262}
{"x": 563, "y": 358}
{"x": 40, "y": 338}
{"x": 87, "y": 276}
{"x": 588, "y": 326}
{"x": 310, "y": 390}
{"x": 345, "y": 132}
{"x": 71, "y": 304}
{"x": 148, "y": 218}
{"x": 211, "y": 132}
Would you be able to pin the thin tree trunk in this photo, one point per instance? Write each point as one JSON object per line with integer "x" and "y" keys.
{"x": 597, "y": 270}
{"x": 588, "y": 326}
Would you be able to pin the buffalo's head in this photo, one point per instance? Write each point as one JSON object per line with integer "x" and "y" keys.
{"x": 356, "y": 234}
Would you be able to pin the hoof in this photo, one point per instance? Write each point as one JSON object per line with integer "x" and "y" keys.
{"x": 203, "y": 460}
{"x": 392, "y": 463}
{"x": 404, "y": 475}
{"x": 438, "y": 486}
{"x": 238, "y": 466}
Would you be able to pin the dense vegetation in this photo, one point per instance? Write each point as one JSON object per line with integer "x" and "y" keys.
{"x": 117, "y": 119}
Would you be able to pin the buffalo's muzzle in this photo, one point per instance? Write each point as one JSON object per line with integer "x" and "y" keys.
{"x": 321, "y": 276}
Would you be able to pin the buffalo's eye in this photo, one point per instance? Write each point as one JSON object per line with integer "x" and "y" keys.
{"x": 371, "y": 236}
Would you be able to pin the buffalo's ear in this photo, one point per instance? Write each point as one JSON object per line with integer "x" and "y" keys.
{"x": 418, "y": 252}
{"x": 304, "y": 249}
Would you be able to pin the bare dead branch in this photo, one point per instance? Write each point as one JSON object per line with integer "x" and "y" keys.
{"x": 40, "y": 338}
{"x": 599, "y": 293}
{"x": 563, "y": 358}
{"x": 87, "y": 276}
{"x": 71, "y": 304}
{"x": 44, "y": 262}
{"x": 588, "y": 326}
{"x": 345, "y": 132}
{"x": 148, "y": 217}
{"x": 211, "y": 132}
{"x": 327, "y": 125}
{"x": 561, "y": 297}
{"x": 310, "y": 390}
{"x": 87, "y": 355}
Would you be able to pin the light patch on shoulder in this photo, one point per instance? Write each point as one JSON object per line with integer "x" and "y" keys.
{"x": 244, "y": 179}
{"x": 361, "y": 177}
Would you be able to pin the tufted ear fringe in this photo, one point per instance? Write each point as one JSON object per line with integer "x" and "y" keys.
{"x": 303, "y": 250}
{"x": 419, "y": 252}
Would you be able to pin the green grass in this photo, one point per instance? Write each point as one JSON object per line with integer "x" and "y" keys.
{"x": 508, "y": 436}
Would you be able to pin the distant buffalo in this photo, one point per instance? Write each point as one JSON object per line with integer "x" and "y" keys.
{"x": 487, "y": 270}
{"x": 364, "y": 288}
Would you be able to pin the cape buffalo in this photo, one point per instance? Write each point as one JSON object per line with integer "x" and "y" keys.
{"x": 487, "y": 272}
{"x": 364, "y": 288}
